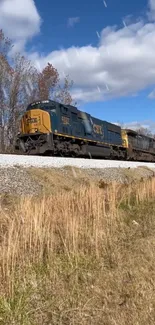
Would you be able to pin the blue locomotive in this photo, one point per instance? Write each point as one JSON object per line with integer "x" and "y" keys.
{"x": 51, "y": 128}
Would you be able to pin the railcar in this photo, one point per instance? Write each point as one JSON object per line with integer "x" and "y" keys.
{"x": 139, "y": 147}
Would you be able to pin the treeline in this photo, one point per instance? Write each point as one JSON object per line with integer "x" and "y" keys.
{"x": 20, "y": 84}
{"x": 140, "y": 130}
{"x": 145, "y": 131}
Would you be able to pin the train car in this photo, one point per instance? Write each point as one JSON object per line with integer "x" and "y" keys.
{"x": 139, "y": 147}
{"x": 51, "y": 128}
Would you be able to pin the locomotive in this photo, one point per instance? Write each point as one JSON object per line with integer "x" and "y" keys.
{"x": 51, "y": 128}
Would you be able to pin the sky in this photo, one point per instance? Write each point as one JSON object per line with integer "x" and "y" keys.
{"x": 107, "y": 47}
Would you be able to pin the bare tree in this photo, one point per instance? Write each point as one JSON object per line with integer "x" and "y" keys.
{"x": 144, "y": 131}
{"x": 49, "y": 86}
{"x": 23, "y": 89}
{"x": 47, "y": 80}
{"x": 15, "y": 95}
{"x": 62, "y": 93}
{"x": 5, "y": 70}
{"x": 20, "y": 84}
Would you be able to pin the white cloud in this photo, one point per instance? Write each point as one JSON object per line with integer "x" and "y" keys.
{"x": 122, "y": 64}
{"x": 147, "y": 124}
{"x": 151, "y": 12}
{"x": 19, "y": 20}
{"x": 72, "y": 21}
{"x": 152, "y": 94}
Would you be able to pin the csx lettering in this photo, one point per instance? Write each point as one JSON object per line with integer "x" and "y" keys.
{"x": 31, "y": 120}
{"x": 97, "y": 129}
{"x": 65, "y": 120}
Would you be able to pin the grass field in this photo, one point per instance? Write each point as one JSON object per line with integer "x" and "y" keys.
{"x": 79, "y": 257}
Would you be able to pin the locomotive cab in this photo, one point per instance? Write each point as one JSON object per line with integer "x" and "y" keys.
{"x": 35, "y": 132}
{"x": 35, "y": 121}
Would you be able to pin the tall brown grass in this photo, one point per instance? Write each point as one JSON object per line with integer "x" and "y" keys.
{"x": 80, "y": 257}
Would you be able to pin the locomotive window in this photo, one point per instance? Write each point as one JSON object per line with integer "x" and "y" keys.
{"x": 64, "y": 109}
{"x": 74, "y": 117}
{"x": 41, "y": 106}
{"x": 32, "y": 107}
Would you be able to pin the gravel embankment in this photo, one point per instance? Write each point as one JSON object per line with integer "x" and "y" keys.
{"x": 57, "y": 162}
{"x": 118, "y": 175}
{"x": 17, "y": 181}
{"x": 35, "y": 181}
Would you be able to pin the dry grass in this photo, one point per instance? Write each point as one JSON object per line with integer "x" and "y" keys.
{"x": 80, "y": 257}
{"x": 54, "y": 180}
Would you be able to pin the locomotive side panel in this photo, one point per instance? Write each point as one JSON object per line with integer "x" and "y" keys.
{"x": 69, "y": 122}
{"x": 112, "y": 134}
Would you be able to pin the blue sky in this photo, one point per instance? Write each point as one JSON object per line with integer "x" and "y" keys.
{"x": 94, "y": 16}
{"x": 113, "y": 68}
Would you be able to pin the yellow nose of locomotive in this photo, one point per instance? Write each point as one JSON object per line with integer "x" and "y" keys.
{"x": 35, "y": 121}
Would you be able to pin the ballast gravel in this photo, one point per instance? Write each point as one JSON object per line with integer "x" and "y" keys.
{"x": 59, "y": 162}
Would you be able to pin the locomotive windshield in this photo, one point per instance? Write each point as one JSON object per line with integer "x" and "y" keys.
{"x": 44, "y": 104}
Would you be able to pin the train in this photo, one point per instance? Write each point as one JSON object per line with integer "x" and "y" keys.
{"x": 51, "y": 128}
